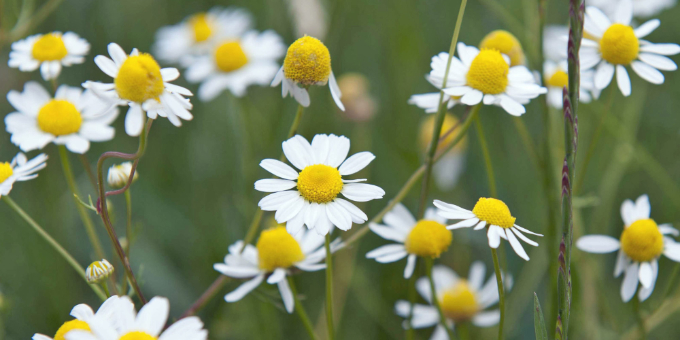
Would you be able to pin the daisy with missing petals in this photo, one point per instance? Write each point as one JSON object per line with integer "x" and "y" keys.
{"x": 640, "y": 246}
{"x": 486, "y": 76}
{"x": 313, "y": 200}
{"x": 139, "y": 82}
{"x": 198, "y": 33}
{"x": 620, "y": 45}
{"x": 307, "y": 63}
{"x": 236, "y": 63}
{"x": 20, "y": 169}
{"x": 461, "y": 300}
{"x": 148, "y": 324}
{"x": 495, "y": 216}
{"x": 48, "y": 51}
{"x": 426, "y": 238}
{"x": 82, "y": 313}
{"x": 73, "y": 118}
{"x": 274, "y": 255}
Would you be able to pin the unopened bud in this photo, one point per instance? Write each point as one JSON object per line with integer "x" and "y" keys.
{"x": 98, "y": 271}
{"x": 119, "y": 174}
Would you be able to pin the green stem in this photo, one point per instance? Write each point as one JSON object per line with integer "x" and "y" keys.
{"x": 329, "y": 288}
{"x": 71, "y": 261}
{"x": 296, "y": 121}
{"x": 88, "y": 170}
{"x": 463, "y": 331}
{"x": 638, "y": 318}
{"x": 87, "y": 221}
{"x": 301, "y": 310}
{"x": 501, "y": 291}
{"x": 128, "y": 225}
{"x": 105, "y": 286}
{"x": 429, "y": 262}
{"x": 487, "y": 158}
{"x": 410, "y": 331}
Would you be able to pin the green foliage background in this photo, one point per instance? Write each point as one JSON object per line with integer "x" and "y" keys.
{"x": 195, "y": 195}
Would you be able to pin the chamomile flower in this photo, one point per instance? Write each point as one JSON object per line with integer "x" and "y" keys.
{"x": 274, "y": 255}
{"x": 140, "y": 83}
{"x": 314, "y": 200}
{"x": 148, "y": 324}
{"x": 450, "y": 166}
{"x": 307, "y": 63}
{"x": 19, "y": 170}
{"x": 73, "y": 118}
{"x": 495, "y": 216}
{"x": 506, "y": 43}
{"x": 486, "y": 76}
{"x": 49, "y": 51}
{"x": 426, "y": 238}
{"x": 556, "y": 78}
{"x": 197, "y": 34}
{"x": 461, "y": 300}
{"x": 641, "y": 244}
{"x": 81, "y": 313}
{"x": 621, "y": 45}
{"x": 237, "y": 63}
{"x": 641, "y": 8}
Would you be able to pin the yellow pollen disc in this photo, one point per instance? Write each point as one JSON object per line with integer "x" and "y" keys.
{"x": 69, "y": 326}
{"x": 5, "y": 171}
{"x": 428, "y": 239}
{"x": 642, "y": 241}
{"x": 59, "y": 117}
{"x": 230, "y": 57}
{"x": 139, "y": 79}
{"x": 558, "y": 79}
{"x": 319, "y": 183}
{"x": 506, "y": 43}
{"x": 488, "y": 72}
{"x": 459, "y": 303}
{"x": 619, "y": 45}
{"x": 494, "y": 212}
{"x": 307, "y": 62}
{"x": 49, "y": 47}
{"x": 201, "y": 27}
{"x": 449, "y": 122}
{"x": 276, "y": 248}
{"x": 136, "y": 335}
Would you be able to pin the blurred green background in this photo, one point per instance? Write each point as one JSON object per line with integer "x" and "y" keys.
{"x": 195, "y": 195}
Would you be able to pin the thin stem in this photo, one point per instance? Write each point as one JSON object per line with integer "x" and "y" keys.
{"x": 71, "y": 261}
{"x": 639, "y": 319}
{"x": 429, "y": 262}
{"x": 410, "y": 331}
{"x": 105, "y": 286}
{"x": 487, "y": 158}
{"x": 128, "y": 225}
{"x": 329, "y": 288}
{"x": 300, "y": 309}
{"x": 501, "y": 291}
{"x": 88, "y": 170}
{"x": 296, "y": 121}
{"x": 463, "y": 331}
{"x": 214, "y": 288}
{"x": 84, "y": 216}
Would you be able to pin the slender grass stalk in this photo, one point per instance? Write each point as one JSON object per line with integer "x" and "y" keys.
{"x": 501, "y": 291}
{"x": 639, "y": 319}
{"x": 300, "y": 309}
{"x": 487, "y": 158}
{"x": 88, "y": 170}
{"x": 84, "y": 216}
{"x": 429, "y": 262}
{"x": 71, "y": 261}
{"x": 296, "y": 121}
{"x": 329, "y": 288}
{"x": 128, "y": 224}
{"x": 105, "y": 287}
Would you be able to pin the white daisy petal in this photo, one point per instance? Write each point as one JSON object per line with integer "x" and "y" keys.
{"x": 276, "y": 277}
{"x": 388, "y": 233}
{"x": 647, "y": 28}
{"x": 335, "y": 91}
{"x": 672, "y": 251}
{"x": 667, "y": 229}
{"x": 278, "y": 168}
{"x": 630, "y": 282}
{"x": 410, "y": 266}
{"x": 598, "y": 244}
{"x": 647, "y": 72}
{"x": 494, "y": 237}
{"x": 385, "y": 250}
{"x": 464, "y": 224}
{"x": 517, "y": 246}
{"x": 476, "y": 275}
{"x": 361, "y": 192}
{"x": 644, "y": 292}
{"x": 286, "y": 295}
{"x": 106, "y": 65}
{"x": 338, "y": 150}
{"x": 646, "y": 274}
{"x": 624, "y": 12}
{"x": 274, "y": 185}
{"x": 356, "y": 163}
{"x": 663, "y": 49}
{"x": 658, "y": 61}
{"x": 623, "y": 80}
{"x": 622, "y": 262}
{"x": 152, "y": 317}
{"x": 338, "y": 216}
{"x": 487, "y": 319}
{"x": 244, "y": 289}
{"x": 604, "y": 75}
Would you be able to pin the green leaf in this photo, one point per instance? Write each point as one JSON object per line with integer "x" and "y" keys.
{"x": 539, "y": 322}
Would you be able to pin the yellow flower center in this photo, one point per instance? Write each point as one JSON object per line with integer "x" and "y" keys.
{"x": 5, "y": 171}
{"x": 69, "y": 326}
{"x": 642, "y": 241}
{"x": 230, "y": 57}
{"x": 139, "y": 79}
{"x": 558, "y": 79}
{"x": 49, "y": 47}
{"x": 137, "y": 335}
{"x": 619, "y": 45}
{"x": 459, "y": 303}
{"x": 428, "y": 239}
{"x": 201, "y": 27}
{"x": 276, "y": 248}
{"x": 319, "y": 183}
{"x": 449, "y": 122}
{"x": 488, "y": 72}
{"x": 494, "y": 212}
{"x": 59, "y": 117}
{"x": 506, "y": 43}
{"x": 307, "y": 62}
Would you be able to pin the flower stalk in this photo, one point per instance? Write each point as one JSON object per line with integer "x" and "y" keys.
{"x": 329, "y": 288}
{"x": 300, "y": 310}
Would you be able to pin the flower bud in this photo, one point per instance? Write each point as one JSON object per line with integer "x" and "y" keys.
{"x": 98, "y": 271}
{"x": 119, "y": 174}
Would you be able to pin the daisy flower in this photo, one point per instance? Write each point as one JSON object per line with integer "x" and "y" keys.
{"x": 620, "y": 45}
{"x": 139, "y": 82}
{"x": 430, "y": 101}
{"x": 237, "y": 63}
{"x": 449, "y": 168}
{"x": 486, "y": 76}
{"x": 48, "y": 51}
{"x": 641, "y": 8}
{"x": 307, "y": 63}
{"x": 461, "y": 300}
{"x": 20, "y": 169}
{"x": 198, "y": 34}
{"x": 506, "y": 43}
{"x": 556, "y": 78}
{"x": 82, "y": 313}
{"x": 274, "y": 255}
{"x": 425, "y": 238}
{"x": 314, "y": 200}
{"x": 73, "y": 118}
{"x": 148, "y": 324}
{"x": 641, "y": 244}
{"x": 493, "y": 214}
